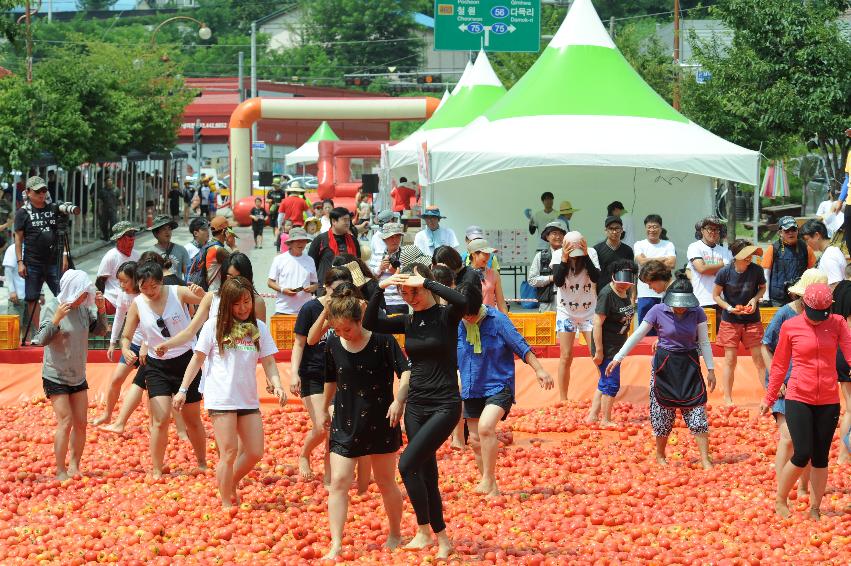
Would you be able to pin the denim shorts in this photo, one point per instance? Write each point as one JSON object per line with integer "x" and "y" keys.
{"x": 609, "y": 384}
{"x": 37, "y": 275}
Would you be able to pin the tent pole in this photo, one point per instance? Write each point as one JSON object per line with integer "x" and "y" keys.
{"x": 756, "y": 196}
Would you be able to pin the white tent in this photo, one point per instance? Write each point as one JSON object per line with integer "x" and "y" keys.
{"x": 476, "y": 91}
{"x": 583, "y": 124}
{"x": 309, "y": 151}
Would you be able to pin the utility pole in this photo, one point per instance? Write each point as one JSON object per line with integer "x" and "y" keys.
{"x": 29, "y": 43}
{"x": 241, "y": 77}
{"x": 612, "y": 27}
{"x": 676, "y": 96}
{"x": 253, "y": 82}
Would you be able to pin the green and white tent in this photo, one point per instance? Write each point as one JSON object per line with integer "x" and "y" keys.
{"x": 583, "y": 124}
{"x": 476, "y": 91}
{"x": 309, "y": 151}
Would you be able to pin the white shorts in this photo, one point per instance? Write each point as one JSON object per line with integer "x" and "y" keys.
{"x": 574, "y": 325}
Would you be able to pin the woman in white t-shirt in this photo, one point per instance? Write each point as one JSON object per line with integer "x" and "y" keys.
{"x": 234, "y": 342}
{"x": 575, "y": 274}
{"x": 159, "y": 312}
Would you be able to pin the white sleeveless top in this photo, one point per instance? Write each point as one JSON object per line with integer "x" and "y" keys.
{"x": 176, "y": 320}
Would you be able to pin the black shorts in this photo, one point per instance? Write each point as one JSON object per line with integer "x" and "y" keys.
{"x": 504, "y": 399}
{"x": 205, "y": 209}
{"x": 312, "y": 385}
{"x": 164, "y": 377}
{"x": 52, "y": 388}
{"x": 257, "y": 228}
{"x": 139, "y": 378}
{"x": 239, "y": 412}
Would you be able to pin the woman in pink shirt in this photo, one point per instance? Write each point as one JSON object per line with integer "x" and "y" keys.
{"x": 809, "y": 342}
{"x": 480, "y": 252}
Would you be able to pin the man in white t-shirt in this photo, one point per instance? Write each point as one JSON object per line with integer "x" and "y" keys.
{"x": 705, "y": 258}
{"x": 293, "y": 275}
{"x": 832, "y": 260}
{"x": 652, "y": 248}
{"x": 539, "y": 220}
{"x": 124, "y": 236}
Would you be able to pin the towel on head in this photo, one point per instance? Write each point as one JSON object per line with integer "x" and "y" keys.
{"x": 73, "y": 284}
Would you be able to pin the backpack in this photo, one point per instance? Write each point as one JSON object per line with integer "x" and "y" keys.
{"x": 197, "y": 273}
{"x": 545, "y": 294}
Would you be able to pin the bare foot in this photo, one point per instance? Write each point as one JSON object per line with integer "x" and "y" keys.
{"x": 420, "y": 542}
{"x": 782, "y": 509}
{"x": 444, "y": 550}
{"x": 62, "y": 475}
{"x": 608, "y": 424}
{"x": 333, "y": 553}
{"x": 457, "y": 443}
{"x": 728, "y": 401}
{"x": 660, "y": 459}
{"x": 103, "y": 419}
{"x": 115, "y": 428}
{"x": 707, "y": 464}
{"x": 304, "y": 469}
{"x": 157, "y": 474}
{"x": 74, "y": 471}
{"x": 591, "y": 419}
{"x": 393, "y": 542}
{"x": 487, "y": 487}
{"x": 815, "y": 514}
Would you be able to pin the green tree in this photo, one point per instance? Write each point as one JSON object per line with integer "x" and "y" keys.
{"x": 785, "y": 78}
{"x": 365, "y": 36}
{"x": 648, "y": 57}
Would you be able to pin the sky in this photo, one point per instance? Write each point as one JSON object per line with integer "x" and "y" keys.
{"x": 71, "y": 5}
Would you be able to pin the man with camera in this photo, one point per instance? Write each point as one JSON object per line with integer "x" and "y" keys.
{"x": 386, "y": 264}
{"x": 38, "y": 245}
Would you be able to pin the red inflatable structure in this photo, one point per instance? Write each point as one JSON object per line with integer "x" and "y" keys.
{"x": 334, "y": 173}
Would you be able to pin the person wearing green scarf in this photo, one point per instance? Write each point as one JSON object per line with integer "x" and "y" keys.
{"x": 487, "y": 344}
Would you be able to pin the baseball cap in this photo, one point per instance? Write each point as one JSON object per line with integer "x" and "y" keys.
{"x": 574, "y": 238}
{"x": 473, "y": 232}
{"x": 787, "y": 223}
{"x": 219, "y": 223}
{"x": 613, "y": 220}
{"x": 480, "y": 245}
{"x": 35, "y": 183}
{"x": 748, "y": 251}
{"x": 817, "y": 301}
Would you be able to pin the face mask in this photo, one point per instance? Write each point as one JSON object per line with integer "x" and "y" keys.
{"x": 125, "y": 244}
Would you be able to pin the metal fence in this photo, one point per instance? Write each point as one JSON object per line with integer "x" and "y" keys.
{"x": 142, "y": 182}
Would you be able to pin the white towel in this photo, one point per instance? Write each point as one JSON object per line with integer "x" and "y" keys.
{"x": 73, "y": 284}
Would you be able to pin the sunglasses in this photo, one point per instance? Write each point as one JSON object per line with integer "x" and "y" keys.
{"x": 163, "y": 328}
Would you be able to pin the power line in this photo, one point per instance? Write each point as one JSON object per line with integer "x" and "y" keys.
{"x": 660, "y": 13}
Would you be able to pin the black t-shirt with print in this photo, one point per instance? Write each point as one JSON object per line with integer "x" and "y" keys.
{"x": 39, "y": 226}
{"x": 618, "y": 312}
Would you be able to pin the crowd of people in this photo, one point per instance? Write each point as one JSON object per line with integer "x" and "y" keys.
{"x": 190, "y": 321}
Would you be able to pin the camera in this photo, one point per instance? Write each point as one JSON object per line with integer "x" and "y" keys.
{"x": 393, "y": 259}
{"x": 68, "y": 208}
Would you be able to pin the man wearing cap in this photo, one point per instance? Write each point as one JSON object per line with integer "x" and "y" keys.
{"x": 541, "y": 218}
{"x": 616, "y": 208}
{"x": 293, "y": 275}
{"x": 612, "y": 249}
{"x": 705, "y": 258}
{"x": 402, "y": 195}
{"x": 433, "y": 235}
{"x": 337, "y": 241}
{"x": 376, "y": 243}
{"x": 384, "y": 265}
{"x": 541, "y": 272}
{"x": 742, "y": 284}
{"x": 654, "y": 247}
{"x": 565, "y": 212}
{"x": 294, "y": 206}
{"x": 37, "y": 243}
{"x": 124, "y": 236}
{"x": 162, "y": 230}
{"x": 831, "y": 259}
{"x": 785, "y": 261}
{"x": 199, "y": 227}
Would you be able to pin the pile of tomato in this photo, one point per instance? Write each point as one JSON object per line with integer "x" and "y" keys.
{"x": 572, "y": 494}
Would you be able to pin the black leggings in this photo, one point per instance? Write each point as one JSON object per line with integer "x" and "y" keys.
{"x": 846, "y": 226}
{"x": 811, "y": 428}
{"x": 427, "y": 428}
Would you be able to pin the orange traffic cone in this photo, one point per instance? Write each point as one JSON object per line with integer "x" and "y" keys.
{"x": 149, "y": 220}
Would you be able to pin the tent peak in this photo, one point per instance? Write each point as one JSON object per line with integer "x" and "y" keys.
{"x": 467, "y": 70}
{"x": 582, "y": 26}
{"x": 481, "y": 74}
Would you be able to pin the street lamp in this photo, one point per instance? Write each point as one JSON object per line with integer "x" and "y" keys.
{"x": 204, "y": 32}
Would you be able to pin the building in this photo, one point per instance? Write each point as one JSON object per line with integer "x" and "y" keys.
{"x": 702, "y": 30}
{"x": 218, "y": 99}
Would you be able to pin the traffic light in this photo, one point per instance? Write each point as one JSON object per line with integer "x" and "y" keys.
{"x": 194, "y": 153}
{"x": 196, "y": 136}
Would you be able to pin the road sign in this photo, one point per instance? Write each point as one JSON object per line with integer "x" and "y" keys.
{"x": 258, "y": 145}
{"x": 495, "y": 25}
{"x": 703, "y": 77}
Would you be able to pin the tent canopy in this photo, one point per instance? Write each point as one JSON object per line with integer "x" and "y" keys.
{"x": 309, "y": 151}
{"x": 582, "y": 104}
{"x": 478, "y": 89}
